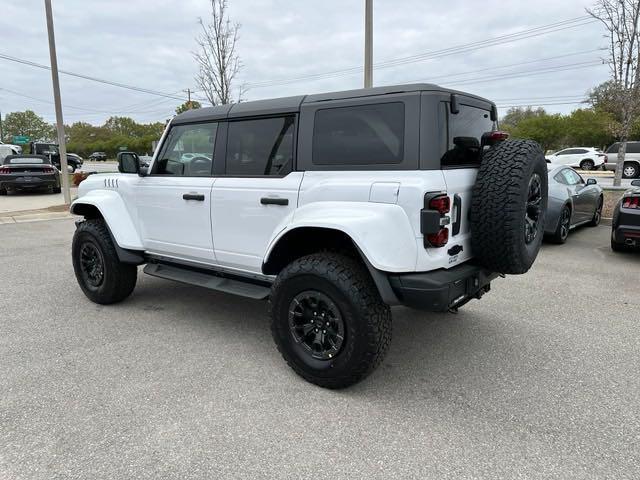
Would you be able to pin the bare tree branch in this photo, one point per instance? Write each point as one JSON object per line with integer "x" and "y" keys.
{"x": 217, "y": 59}
{"x": 620, "y": 18}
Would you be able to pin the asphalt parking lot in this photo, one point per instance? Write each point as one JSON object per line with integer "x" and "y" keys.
{"x": 537, "y": 380}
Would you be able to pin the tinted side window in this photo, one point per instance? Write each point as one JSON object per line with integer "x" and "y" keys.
{"x": 359, "y": 135}
{"x": 633, "y": 147}
{"x": 571, "y": 177}
{"x": 260, "y": 147}
{"x": 613, "y": 148}
{"x": 559, "y": 177}
{"x": 580, "y": 151}
{"x": 187, "y": 151}
{"x": 465, "y": 135}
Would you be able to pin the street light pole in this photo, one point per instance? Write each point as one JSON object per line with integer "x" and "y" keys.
{"x": 64, "y": 172}
{"x": 368, "y": 44}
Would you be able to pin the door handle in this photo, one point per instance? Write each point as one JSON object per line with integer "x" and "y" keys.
{"x": 193, "y": 196}
{"x": 274, "y": 201}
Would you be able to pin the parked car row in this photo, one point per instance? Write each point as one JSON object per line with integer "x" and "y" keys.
{"x": 590, "y": 158}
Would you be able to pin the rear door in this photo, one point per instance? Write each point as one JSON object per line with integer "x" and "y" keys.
{"x": 255, "y": 190}
{"x": 460, "y": 164}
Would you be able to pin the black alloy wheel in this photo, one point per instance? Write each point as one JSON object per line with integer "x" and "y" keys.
{"x": 316, "y": 324}
{"x": 533, "y": 210}
{"x": 91, "y": 264}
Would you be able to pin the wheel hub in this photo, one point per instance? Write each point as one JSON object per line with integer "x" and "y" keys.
{"x": 316, "y": 324}
{"x": 92, "y": 264}
{"x": 533, "y": 208}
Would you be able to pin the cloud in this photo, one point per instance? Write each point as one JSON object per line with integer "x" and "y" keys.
{"x": 149, "y": 44}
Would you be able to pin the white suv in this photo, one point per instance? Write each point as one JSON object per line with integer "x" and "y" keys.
{"x": 586, "y": 158}
{"x": 334, "y": 206}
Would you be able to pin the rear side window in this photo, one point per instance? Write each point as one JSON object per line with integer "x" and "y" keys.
{"x": 465, "y": 130}
{"x": 613, "y": 148}
{"x": 359, "y": 135}
{"x": 260, "y": 146}
{"x": 633, "y": 147}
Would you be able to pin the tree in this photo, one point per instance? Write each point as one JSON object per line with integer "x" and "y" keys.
{"x": 621, "y": 93}
{"x": 517, "y": 114}
{"x": 188, "y": 105}
{"x": 589, "y": 128}
{"x": 217, "y": 59}
{"x": 29, "y": 124}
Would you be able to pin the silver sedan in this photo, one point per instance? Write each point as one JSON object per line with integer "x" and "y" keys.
{"x": 572, "y": 202}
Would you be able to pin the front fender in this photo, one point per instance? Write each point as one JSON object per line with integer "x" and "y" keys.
{"x": 114, "y": 211}
{"x": 381, "y": 231}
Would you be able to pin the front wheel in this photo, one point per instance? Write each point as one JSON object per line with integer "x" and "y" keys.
{"x": 328, "y": 320}
{"x": 100, "y": 274}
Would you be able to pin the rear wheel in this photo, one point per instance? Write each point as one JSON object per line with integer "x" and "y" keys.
{"x": 587, "y": 164}
{"x": 630, "y": 170}
{"x": 100, "y": 274}
{"x": 564, "y": 225}
{"x": 3, "y": 191}
{"x": 597, "y": 214}
{"x": 328, "y": 320}
{"x": 509, "y": 205}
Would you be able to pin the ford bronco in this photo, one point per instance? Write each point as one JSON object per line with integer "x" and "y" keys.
{"x": 334, "y": 207}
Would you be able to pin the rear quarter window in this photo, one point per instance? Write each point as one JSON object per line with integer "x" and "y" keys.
{"x": 359, "y": 135}
{"x": 464, "y": 135}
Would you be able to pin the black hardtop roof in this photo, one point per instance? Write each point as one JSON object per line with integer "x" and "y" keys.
{"x": 292, "y": 104}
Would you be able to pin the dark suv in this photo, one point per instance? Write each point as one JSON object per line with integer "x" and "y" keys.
{"x": 98, "y": 156}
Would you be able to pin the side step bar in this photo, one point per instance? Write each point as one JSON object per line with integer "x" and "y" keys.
{"x": 212, "y": 282}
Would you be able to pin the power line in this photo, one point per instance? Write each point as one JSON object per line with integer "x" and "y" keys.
{"x": 508, "y": 38}
{"x": 540, "y": 104}
{"x": 499, "y": 67}
{"x": 93, "y": 79}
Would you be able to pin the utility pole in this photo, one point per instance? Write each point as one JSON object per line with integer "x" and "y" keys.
{"x": 64, "y": 172}
{"x": 189, "y": 98}
{"x": 1, "y": 133}
{"x": 368, "y": 44}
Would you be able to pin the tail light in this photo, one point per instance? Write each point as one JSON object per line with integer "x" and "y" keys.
{"x": 48, "y": 170}
{"x": 441, "y": 204}
{"x": 491, "y": 138}
{"x": 433, "y": 219}
{"x": 439, "y": 239}
{"x": 5, "y": 170}
{"x": 606, "y": 159}
{"x": 631, "y": 202}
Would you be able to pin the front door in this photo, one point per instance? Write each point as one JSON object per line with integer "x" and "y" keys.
{"x": 257, "y": 191}
{"x": 174, "y": 200}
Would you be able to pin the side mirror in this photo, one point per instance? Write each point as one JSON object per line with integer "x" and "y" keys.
{"x": 592, "y": 181}
{"x": 635, "y": 183}
{"x": 128, "y": 162}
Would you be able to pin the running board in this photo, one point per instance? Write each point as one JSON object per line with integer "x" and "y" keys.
{"x": 212, "y": 282}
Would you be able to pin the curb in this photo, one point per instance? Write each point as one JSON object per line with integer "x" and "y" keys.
{"x": 34, "y": 217}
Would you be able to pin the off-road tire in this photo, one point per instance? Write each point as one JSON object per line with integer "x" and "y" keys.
{"x": 367, "y": 320}
{"x": 498, "y": 206}
{"x": 597, "y": 214}
{"x": 560, "y": 236}
{"x": 119, "y": 279}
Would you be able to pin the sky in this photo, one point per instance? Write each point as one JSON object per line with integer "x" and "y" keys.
{"x": 290, "y": 48}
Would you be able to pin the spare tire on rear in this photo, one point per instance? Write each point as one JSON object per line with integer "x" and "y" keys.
{"x": 508, "y": 206}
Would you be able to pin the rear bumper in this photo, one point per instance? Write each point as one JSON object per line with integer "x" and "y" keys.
{"x": 626, "y": 228}
{"x": 441, "y": 290}
{"x": 28, "y": 182}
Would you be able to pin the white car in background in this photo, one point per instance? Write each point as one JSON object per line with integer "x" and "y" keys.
{"x": 16, "y": 148}
{"x": 586, "y": 158}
